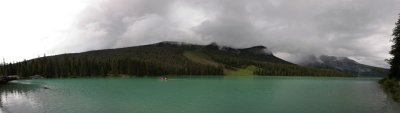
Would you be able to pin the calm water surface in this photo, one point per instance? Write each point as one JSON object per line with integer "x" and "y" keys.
{"x": 196, "y": 95}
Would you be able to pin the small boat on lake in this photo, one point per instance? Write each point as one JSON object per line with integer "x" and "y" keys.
{"x": 163, "y": 78}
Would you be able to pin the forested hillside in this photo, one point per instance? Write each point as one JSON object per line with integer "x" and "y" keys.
{"x": 165, "y": 58}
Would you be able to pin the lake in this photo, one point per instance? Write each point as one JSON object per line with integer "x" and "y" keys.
{"x": 196, "y": 95}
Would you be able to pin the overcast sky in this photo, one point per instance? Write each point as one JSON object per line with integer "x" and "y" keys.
{"x": 360, "y": 29}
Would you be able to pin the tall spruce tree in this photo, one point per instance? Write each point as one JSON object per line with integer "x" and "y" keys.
{"x": 395, "y": 61}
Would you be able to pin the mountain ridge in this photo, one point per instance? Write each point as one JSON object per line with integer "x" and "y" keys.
{"x": 343, "y": 64}
{"x": 165, "y": 58}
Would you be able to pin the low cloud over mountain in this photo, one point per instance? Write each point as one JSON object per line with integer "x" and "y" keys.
{"x": 352, "y": 28}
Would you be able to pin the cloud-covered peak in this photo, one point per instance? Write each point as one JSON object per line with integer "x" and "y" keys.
{"x": 355, "y": 28}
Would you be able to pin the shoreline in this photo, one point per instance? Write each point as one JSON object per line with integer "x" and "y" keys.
{"x": 390, "y": 88}
{"x": 395, "y": 106}
{"x": 6, "y": 79}
{"x": 208, "y": 76}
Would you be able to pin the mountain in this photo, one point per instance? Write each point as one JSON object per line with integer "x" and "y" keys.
{"x": 343, "y": 64}
{"x": 164, "y": 58}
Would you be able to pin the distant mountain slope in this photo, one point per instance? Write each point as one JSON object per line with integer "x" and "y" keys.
{"x": 165, "y": 58}
{"x": 257, "y": 53}
{"x": 343, "y": 64}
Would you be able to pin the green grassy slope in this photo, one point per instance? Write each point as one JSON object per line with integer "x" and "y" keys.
{"x": 248, "y": 70}
{"x": 199, "y": 57}
{"x": 202, "y": 58}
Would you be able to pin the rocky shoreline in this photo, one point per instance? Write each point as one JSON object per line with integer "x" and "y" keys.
{"x": 6, "y": 79}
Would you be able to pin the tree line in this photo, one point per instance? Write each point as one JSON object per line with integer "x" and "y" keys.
{"x": 67, "y": 66}
{"x": 293, "y": 70}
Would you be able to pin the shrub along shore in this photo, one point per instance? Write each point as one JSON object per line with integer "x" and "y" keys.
{"x": 392, "y": 87}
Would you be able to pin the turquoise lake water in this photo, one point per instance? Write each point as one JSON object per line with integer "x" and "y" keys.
{"x": 195, "y": 95}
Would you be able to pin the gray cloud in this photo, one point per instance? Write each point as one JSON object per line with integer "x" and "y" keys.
{"x": 355, "y": 28}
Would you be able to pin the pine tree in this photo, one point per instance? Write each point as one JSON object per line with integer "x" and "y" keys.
{"x": 395, "y": 61}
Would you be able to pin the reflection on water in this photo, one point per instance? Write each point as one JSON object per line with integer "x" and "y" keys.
{"x": 16, "y": 95}
{"x": 195, "y": 94}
